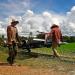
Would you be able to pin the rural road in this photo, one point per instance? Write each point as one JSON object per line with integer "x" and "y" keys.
{"x": 5, "y": 69}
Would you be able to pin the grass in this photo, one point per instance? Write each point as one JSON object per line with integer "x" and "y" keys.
{"x": 41, "y": 57}
{"x": 63, "y": 49}
{"x": 70, "y": 47}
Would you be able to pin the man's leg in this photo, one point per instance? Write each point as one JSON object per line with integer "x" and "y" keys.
{"x": 54, "y": 47}
{"x": 10, "y": 58}
{"x": 28, "y": 48}
{"x": 15, "y": 47}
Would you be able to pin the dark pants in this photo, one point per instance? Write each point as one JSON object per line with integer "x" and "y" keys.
{"x": 12, "y": 53}
{"x": 26, "y": 46}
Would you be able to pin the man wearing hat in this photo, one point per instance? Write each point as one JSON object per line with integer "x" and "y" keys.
{"x": 56, "y": 38}
{"x": 12, "y": 40}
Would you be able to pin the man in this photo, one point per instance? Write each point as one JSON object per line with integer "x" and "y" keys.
{"x": 12, "y": 40}
{"x": 26, "y": 45}
{"x": 56, "y": 38}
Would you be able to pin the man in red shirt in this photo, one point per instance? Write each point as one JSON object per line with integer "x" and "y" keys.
{"x": 56, "y": 38}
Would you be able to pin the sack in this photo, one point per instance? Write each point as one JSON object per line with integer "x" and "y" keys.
{"x": 59, "y": 42}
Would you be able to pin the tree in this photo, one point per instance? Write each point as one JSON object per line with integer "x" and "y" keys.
{"x": 41, "y": 36}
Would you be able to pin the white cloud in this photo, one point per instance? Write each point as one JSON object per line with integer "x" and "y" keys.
{"x": 15, "y": 7}
{"x": 1, "y": 22}
{"x": 42, "y": 22}
{"x": 2, "y": 30}
{"x": 47, "y": 14}
{"x": 73, "y": 8}
{"x": 32, "y": 22}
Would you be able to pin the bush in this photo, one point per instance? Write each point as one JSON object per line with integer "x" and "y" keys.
{"x": 69, "y": 39}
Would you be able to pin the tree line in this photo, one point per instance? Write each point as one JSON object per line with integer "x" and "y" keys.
{"x": 69, "y": 39}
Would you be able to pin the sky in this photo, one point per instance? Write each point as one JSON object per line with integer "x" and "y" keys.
{"x": 38, "y": 15}
{"x": 59, "y": 6}
{"x": 18, "y": 7}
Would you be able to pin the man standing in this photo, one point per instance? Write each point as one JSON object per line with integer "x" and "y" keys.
{"x": 12, "y": 40}
{"x": 56, "y": 38}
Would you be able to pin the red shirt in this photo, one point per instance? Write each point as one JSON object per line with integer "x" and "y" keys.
{"x": 56, "y": 34}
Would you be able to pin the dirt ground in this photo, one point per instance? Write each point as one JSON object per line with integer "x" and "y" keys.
{"x": 6, "y": 69}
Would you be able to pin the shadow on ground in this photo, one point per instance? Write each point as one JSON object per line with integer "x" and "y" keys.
{"x": 4, "y": 64}
{"x": 24, "y": 55}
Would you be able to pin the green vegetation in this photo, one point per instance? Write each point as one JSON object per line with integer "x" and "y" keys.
{"x": 42, "y": 57}
{"x": 69, "y": 39}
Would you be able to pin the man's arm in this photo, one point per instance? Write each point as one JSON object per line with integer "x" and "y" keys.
{"x": 9, "y": 35}
{"x": 17, "y": 36}
{"x": 61, "y": 37}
